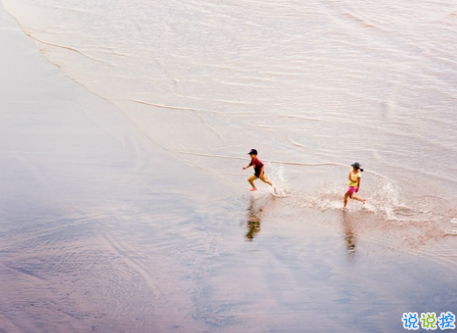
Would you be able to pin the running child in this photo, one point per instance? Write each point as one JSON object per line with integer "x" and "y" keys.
{"x": 258, "y": 170}
{"x": 354, "y": 184}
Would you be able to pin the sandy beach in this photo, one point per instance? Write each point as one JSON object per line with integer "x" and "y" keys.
{"x": 106, "y": 228}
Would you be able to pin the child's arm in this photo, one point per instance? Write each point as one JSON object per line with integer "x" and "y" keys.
{"x": 358, "y": 184}
{"x": 247, "y": 166}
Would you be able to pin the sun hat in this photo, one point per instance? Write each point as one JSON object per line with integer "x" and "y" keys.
{"x": 356, "y": 165}
{"x": 253, "y": 152}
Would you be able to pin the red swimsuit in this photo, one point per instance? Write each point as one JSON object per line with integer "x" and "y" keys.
{"x": 257, "y": 166}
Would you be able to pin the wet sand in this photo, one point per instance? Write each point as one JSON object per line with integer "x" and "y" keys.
{"x": 104, "y": 231}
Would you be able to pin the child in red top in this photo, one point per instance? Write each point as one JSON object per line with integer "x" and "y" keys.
{"x": 258, "y": 170}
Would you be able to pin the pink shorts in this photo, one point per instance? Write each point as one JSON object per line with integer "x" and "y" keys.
{"x": 352, "y": 189}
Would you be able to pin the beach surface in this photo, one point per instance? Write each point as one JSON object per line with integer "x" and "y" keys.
{"x": 110, "y": 225}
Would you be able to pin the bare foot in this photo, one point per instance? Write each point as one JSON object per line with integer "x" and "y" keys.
{"x": 344, "y": 208}
{"x": 253, "y": 189}
{"x": 363, "y": 201}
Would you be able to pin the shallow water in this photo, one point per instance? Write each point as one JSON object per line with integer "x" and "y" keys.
{"x": 318, "y": 82}
{"x": 147, "y": 239}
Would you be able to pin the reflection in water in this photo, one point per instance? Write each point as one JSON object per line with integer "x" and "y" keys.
{"x": 254, "y": 221}
{"x": 349, "y": 234}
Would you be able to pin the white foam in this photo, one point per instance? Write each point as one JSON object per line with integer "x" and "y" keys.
{"x": 370, "y": 207}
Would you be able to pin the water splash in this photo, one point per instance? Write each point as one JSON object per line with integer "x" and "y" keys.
{"x": 278, "y": 177}
{"x": 384, "y": 198}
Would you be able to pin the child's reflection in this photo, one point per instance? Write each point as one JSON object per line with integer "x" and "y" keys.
{"x": 253, "y": 223}
{"x": 349, "y": 234}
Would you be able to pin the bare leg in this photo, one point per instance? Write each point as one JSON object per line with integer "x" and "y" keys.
{"x": 251, "y": 181}
{"x": 267, "y": 181}
{"x": 351, "y": 196}
{"x": 346, "y": 196}
{"x": 358, "y": 199}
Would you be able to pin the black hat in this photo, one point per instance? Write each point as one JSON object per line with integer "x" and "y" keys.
{"x": 356, "y": 165}
{"x": 253, "y": 152}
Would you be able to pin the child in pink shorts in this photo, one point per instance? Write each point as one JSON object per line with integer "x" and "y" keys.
{"x": 354, "y": 184}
